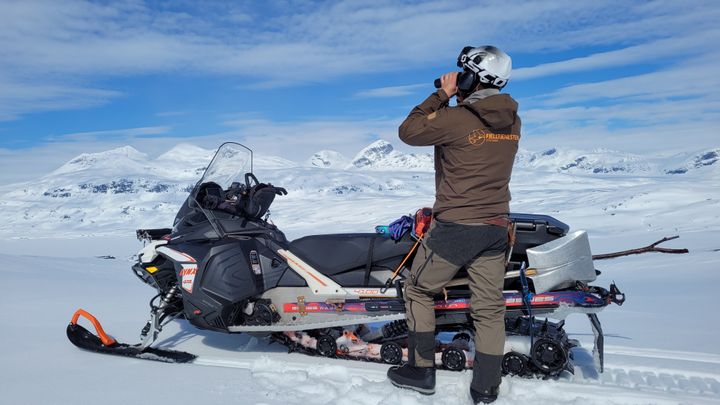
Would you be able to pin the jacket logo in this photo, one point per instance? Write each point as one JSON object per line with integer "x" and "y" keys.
{"x": 479, "y": 136}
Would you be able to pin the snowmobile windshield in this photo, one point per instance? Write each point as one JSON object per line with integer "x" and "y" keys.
{"x": 211, "y": 203}
{"x": 229, "y": 165}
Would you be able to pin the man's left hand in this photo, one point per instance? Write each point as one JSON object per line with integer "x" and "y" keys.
{"x": 448, "y": 82}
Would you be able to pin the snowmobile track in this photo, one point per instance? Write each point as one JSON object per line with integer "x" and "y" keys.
{"x": 673, "y": 382}
{"x": 704, "y": 387}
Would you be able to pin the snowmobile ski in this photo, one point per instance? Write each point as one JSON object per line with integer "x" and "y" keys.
{"x": 102, "y": 343}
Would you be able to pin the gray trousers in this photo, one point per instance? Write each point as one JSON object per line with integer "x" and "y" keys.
{"x": 428, "y": 275}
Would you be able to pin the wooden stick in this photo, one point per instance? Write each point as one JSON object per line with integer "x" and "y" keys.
{"x": 649, "y": 248}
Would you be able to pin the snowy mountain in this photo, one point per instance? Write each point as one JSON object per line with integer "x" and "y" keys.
{"x": 121, "y": 189}
{"x": 599, "y": 161}
{"x": 605, "y": 161}
{"x": 126, "y": 159}
{"x": 699, "y": 161}
{"x": 382, "y": 156}
{"x": 329, "y": 159}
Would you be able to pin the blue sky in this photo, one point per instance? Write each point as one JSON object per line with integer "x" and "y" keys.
{"x": 293, "y": 77}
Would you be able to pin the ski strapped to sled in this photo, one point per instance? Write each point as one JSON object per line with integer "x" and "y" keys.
{"x": 103, "y": 343}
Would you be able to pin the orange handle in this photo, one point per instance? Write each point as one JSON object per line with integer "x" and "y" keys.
{"x": 106, "y": 340}
{"x": 397, "y": 271}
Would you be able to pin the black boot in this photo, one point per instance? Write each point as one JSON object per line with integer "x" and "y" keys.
{"x": 487, "y": 371}
{"x": 484, "y": 396}
{"x": 420, "y": 379}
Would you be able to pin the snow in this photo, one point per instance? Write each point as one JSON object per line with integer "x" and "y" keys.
{"x": 661, "y": 346}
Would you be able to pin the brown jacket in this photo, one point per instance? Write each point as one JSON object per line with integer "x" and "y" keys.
{"x": 475, "y": 146}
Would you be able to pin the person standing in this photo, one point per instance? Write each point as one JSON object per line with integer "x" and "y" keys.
{"x": 475, "y": 144}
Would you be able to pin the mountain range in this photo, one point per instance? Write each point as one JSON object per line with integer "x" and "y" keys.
{"x": 125, "y": 188}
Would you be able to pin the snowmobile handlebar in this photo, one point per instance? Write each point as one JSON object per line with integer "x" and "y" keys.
{"x": 250, "y": 177}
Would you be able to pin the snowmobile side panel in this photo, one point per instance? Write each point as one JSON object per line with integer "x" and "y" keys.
{"x": 291, "y": 279}
{"x": 227, "y": 274}
{"x": 271, "y": 267}
{"x": 224, "y": 278}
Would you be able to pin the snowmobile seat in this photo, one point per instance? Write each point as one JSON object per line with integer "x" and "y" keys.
{"x": 333, "y": 254}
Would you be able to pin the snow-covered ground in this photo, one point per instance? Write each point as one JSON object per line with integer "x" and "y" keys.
{"x": 661, "y": 345}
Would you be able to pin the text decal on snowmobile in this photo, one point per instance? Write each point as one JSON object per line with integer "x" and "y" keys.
{"x": 188, "y": 273}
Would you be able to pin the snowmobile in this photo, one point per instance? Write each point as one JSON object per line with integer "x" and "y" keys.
{"x": 224, "y": 267}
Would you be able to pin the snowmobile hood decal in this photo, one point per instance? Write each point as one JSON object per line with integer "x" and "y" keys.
{"x": 176, "y": 255}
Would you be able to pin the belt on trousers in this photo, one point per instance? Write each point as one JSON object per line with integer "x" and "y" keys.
{"x": 501, "y": 221}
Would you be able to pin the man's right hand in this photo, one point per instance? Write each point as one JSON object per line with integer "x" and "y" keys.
{"x": 448, "y": 82}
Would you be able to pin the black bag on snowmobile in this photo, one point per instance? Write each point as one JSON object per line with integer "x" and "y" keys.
{"x": 258, "y": 200}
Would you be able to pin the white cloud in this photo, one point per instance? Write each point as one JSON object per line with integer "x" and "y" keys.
{"x": 82, "y": 42}
{"x": 624, "y": 115}
{"x": 20, "y": 98}
{"x": 299, "y": 140}
{"x": 682, "y": 97}
{"x": 392, "y": 91}
{"x": 54, "y": 53}
{"x": 668, "y": 51}
{"x": 125, "y": 134}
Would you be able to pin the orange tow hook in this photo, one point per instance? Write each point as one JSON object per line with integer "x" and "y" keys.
{"x": 106, "y": 340}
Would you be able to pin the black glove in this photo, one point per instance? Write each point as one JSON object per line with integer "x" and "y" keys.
{"x": 210, "y": 201}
